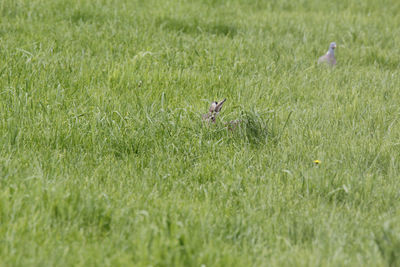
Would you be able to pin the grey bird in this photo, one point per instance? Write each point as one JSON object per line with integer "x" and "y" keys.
{"x": 329, "y": 57}
{"x": 215, "y": 108}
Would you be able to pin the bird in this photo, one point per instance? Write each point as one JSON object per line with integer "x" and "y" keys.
{"x": 213, "y": 111}
{"x": 329, "y": 57}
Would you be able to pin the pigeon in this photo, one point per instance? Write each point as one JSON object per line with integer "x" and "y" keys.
{"x": 215, "y": 108}
{"x": 329, "y": 58}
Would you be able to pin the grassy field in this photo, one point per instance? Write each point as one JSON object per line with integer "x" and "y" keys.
{"x": 104, "y": 159}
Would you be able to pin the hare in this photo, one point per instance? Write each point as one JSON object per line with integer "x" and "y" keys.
{"x": 215, "y": 108}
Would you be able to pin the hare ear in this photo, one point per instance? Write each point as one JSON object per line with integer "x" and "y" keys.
{"x": 219, "y": 105}
{"x": 213, "y": 106}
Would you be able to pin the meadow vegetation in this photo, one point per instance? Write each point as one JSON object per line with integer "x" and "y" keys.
{"x": 105, "y": 161}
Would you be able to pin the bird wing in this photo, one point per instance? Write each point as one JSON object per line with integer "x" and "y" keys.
{"x": 329, "y": 59}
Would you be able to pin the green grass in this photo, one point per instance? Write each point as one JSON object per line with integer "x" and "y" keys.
{"x": 104, "y": 159}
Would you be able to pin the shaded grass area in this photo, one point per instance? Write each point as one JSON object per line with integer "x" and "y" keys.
{"x": 193, "y": 26}
{"x": 104, "y": 158}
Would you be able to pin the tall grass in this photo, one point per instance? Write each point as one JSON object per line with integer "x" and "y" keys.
{"x": 104, "y": 158}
